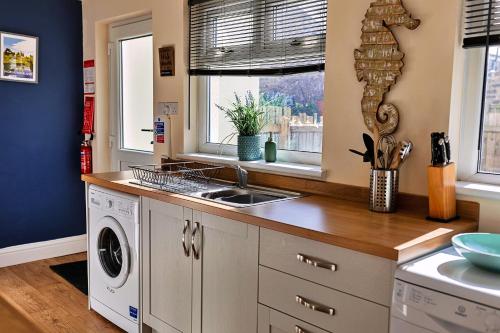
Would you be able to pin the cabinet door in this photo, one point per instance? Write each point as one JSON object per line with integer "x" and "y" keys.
{"x": 167, "y": 269}
{"x": 225, "y": 275}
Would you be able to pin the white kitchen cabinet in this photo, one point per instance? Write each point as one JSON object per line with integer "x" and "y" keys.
{"x": 323, "y": 307}
{"x": 332, "y": 266}
{"x": 212, "y": 286}
{"x": 167, "y": 270}
{"x": 225, "y": 277}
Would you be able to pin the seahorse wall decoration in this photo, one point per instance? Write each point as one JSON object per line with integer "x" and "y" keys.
{"x": 379, "y": 62}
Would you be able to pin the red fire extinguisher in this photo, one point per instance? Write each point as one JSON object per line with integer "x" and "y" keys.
{"x": 85, "y": 157}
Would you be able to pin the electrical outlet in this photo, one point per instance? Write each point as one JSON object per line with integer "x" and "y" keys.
{"x": 168, "y": 108}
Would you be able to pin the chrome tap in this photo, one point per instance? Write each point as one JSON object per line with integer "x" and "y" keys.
{"x": 242, "y": 175}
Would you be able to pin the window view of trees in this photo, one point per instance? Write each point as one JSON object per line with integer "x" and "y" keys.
{"x": 293, "y": 105}
{"x": 301, "y": 93}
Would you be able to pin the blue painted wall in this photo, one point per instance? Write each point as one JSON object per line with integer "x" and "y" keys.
{"x": 41, "y": 195}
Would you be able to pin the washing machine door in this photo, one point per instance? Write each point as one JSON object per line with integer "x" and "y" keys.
{"x": 113, "y": 252}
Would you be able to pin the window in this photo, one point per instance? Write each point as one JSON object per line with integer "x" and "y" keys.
{"x": 489, "y": 161}
{"x": 273, "y": 49}
{"x": 293, "y": 106}
{"x": 480, "y": 142}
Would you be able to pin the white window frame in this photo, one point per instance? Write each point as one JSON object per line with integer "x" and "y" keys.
{"x": 469, "y": 155}
{"x": 227, "y": 149}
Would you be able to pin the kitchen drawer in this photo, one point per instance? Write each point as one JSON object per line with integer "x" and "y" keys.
{"x": 363, "y": 275}
{"x": 351, "y": 314}
{"x": 272, "y": 321}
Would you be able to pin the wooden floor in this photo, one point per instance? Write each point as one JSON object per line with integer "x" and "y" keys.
{"x": 50, "y": 302}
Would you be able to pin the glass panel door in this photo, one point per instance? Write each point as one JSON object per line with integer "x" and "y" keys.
{"x": 131, "y": 94}
{"x": 137, "y": 93}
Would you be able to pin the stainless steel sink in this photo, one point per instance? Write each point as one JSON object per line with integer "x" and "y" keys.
{"x": 250, "y": 196}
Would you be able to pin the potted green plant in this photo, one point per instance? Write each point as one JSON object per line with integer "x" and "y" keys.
{"x": 249, "y": 120}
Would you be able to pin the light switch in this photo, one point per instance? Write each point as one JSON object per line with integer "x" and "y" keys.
{"x": 168, "y": 108}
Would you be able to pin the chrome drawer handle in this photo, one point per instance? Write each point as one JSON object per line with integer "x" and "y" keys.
{"x": 314, "y": 306}
{"x": 299, "y": 329}
{"x": 196, "y": 252}
{"x": 186, "y": 248}
{"x": 316, "y": 262}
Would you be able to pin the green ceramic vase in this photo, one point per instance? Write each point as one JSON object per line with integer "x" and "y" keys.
{"x": 249, "y": 148}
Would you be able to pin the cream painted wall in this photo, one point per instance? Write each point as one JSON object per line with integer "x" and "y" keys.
{"x": 428, "y": 90}
{"x": 423, "y": 94}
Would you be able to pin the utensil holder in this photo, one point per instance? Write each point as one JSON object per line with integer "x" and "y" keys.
{"x": 384, "y": 187}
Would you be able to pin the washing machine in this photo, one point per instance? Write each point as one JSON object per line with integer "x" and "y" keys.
{"x": 113, "y": 256}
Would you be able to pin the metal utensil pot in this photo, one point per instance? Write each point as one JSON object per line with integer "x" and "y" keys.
{"x": 384, "y": 187}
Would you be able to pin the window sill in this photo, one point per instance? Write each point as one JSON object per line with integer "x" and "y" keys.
{"x": 281, "y": 168}
{"x": 479, "y": 190}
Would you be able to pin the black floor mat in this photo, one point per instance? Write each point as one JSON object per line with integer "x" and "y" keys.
{"x": 75, "y": 273}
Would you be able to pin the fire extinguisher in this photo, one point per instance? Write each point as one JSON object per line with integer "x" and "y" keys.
{"x": 85, "y": 157}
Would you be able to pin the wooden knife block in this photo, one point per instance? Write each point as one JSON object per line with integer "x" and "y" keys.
{"x": 442, "y": 194}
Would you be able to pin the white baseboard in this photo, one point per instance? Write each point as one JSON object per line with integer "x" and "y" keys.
{"x": 20, "y": 254}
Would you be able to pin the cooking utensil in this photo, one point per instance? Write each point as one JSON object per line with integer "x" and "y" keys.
{"x": 441, "y": 151}
{"x": 387, "y": 144}
{"x": 370, "y": 149}
{"x": 396, "y": 157}
{"x": 405, "y": 151}
{"x": 366, "y": 156}
{"x": 376, "y": 138}
{"x": 448, "y": 149}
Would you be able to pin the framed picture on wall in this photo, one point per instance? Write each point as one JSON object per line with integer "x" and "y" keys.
{"x": 19, "y": 57}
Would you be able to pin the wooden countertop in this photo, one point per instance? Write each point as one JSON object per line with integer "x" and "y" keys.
{"x": 348, "y": 224}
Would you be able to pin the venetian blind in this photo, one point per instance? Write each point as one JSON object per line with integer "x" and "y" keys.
{"x": 481, "y": 23}
{"x": 257, "y": 37}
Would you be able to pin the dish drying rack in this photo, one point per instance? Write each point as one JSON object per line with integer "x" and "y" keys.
{"x": 180, "y": 177}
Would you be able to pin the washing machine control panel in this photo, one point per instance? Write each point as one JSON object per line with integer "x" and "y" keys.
{"x": 447, "y": 311}
{"x": 113, "y": 204}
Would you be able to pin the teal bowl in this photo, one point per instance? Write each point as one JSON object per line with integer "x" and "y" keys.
{"x": 481, "y": 249}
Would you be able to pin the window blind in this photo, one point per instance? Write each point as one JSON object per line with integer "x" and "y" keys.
{"x": 481, "y": 23}
{"x": 257, "y": 37}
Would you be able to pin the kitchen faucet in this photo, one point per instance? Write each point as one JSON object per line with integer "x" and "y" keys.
{"x": 242, "y": 175}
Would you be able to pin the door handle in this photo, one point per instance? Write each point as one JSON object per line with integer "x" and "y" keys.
{"x": 187, "y": 251}
{"x": 299, "y": 329}
{"x": 196, "y": 229}
{"x": 147, "y": 130}
{"x": 316, "y": 262}
{"x": 314, "y": 306}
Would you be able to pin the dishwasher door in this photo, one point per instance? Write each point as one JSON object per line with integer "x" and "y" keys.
{"x": 400, "y": 326}
{"x": 420, "y": 310}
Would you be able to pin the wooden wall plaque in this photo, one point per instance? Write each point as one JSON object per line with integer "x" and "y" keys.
{"x": 167, "y": 61}
{"x": 379, "y": 62}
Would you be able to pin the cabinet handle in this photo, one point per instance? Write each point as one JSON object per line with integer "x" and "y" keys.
{"x": 196, "y": 229}
{"x": 299, "y": 329}
{"x": 314, "y": 306}
{"x": 316, "y": 262}
{"x": 187, "y": 250}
